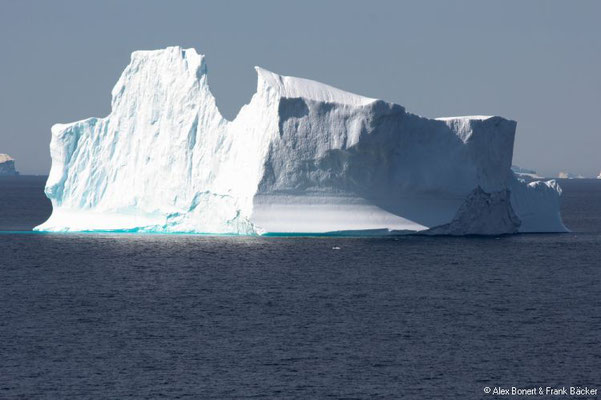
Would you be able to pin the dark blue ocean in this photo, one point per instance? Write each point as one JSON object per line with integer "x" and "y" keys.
{"x": 192, "y": 317}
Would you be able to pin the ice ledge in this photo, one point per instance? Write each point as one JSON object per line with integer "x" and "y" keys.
{"x": 292, "y": 87}
{"x": 468, "y": 117}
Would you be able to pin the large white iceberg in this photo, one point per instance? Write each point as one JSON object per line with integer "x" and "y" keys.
{"x": 301, "y": 157}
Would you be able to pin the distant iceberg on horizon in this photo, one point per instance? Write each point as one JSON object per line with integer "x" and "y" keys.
{"x": 7, "y": 165}
{"x": 300, "y": 158}
{"x": 526, "y": 174}
{"x": 569, "y": 175}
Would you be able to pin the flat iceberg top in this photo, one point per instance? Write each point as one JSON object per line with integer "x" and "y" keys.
{"x": 5, "y": 157}
{"x": 169, "y": 55}
{"x": 471, "y": 117}
{"x": 291, "y": 87}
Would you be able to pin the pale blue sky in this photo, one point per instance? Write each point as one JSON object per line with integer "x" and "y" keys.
{"x": 538, "y": 62}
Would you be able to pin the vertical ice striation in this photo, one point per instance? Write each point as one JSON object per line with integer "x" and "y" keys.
{"x": 301, "y": 157}
{"x": 163, "y": 160}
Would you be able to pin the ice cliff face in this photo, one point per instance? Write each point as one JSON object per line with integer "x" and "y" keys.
{"x": 7, "y": 166}
{"x": 301, "y": 157}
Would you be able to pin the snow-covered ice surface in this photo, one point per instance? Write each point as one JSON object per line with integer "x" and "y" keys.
{"x": 301, "y": 157}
